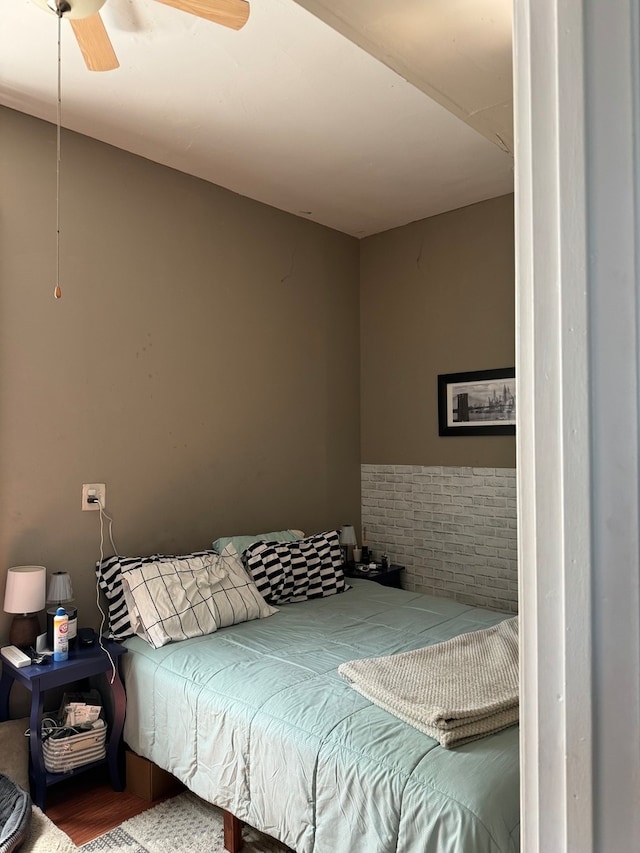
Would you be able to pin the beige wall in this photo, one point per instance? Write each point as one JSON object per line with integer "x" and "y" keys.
{"x": 437, "y": 296}
{"x": 203, "y": 361}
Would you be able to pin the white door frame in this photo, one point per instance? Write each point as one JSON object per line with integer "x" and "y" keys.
{"x": 577, "y": 121}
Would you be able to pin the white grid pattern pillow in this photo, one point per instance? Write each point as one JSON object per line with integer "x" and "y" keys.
{"x": 296, "y": 571}
{"x": 172, "y": 600}
{"x": 109, "y": 573}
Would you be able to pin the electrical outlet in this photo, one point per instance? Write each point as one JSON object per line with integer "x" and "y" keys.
{"x": 97, "y": 490}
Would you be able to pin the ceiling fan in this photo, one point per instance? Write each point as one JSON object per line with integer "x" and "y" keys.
{"x": 94, "y": 41}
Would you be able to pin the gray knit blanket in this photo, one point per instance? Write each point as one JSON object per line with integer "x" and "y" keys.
{"x": 456, "y": 691}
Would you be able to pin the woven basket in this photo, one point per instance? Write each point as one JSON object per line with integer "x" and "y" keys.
{"x": 62, "y": 754}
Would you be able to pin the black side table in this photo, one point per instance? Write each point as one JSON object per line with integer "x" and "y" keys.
{"x": 386, "y": 577}
{"x": 82, "y": 663}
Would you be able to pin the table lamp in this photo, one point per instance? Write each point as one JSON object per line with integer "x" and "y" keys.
{"x": 59, "y": 593}
{"x": 347, "y": 539}
{"x": 25, "y": 596}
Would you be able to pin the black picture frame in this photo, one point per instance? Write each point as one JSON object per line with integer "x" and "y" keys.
{"x": 489, "y": 405}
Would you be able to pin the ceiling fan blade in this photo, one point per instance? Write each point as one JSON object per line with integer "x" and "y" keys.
{"x": 94, "y": 43}
{"x": 229, "y": 13}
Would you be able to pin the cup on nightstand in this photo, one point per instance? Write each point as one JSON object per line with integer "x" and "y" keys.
{"x": 357, "y": 555}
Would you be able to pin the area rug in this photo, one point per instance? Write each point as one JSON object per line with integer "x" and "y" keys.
{"x": 183, "y": 824}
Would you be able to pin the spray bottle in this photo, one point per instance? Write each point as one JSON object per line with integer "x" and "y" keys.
{"x": 60, "y": 635}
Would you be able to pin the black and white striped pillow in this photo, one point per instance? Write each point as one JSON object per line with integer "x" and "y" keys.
{"x": 286, "y": 572}
{"x": 109, "y": 573}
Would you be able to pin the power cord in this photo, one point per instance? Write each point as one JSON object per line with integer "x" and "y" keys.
{"x": 103, "y": 617}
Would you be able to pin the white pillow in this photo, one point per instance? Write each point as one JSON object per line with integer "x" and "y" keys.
{"x": 173, "y": 600}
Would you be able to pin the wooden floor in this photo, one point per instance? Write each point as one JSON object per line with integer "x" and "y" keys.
{"x": 87, "y": 806}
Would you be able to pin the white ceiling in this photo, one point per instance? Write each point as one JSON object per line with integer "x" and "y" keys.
{"x": 318, "y": 121}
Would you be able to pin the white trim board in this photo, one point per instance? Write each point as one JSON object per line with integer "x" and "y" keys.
{"x": 577, "y": 115}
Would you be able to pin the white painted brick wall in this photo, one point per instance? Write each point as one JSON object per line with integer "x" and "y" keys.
{"x": 454, "y": 529}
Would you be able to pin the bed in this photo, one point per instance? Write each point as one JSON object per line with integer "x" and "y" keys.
{"x": 256, "y": 719}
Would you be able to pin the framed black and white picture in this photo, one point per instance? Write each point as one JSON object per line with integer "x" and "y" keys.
{"x": 482, "y": 402}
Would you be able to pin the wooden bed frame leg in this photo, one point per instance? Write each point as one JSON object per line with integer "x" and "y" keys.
{"x": 232, "y": 832}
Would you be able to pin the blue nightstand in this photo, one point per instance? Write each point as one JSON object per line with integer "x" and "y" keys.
{"x": 387, "y": 577}
{"x": 82, "y": 663}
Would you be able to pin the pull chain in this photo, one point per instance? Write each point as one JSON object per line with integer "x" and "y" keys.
{"x": 57, "y": 291}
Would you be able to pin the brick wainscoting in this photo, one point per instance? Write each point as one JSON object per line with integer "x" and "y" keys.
{"x": 454, "y": 529}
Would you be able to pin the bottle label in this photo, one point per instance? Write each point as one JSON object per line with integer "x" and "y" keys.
{"x": 61, "y": 637}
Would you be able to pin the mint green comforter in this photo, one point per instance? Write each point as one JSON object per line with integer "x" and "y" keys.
{"x": 256, "y": 719}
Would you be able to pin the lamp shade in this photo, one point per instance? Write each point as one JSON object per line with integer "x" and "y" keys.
{"x": 60, "y": 588}
{"x": 25, "y": 592}
{"x": 348, "y": 535}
